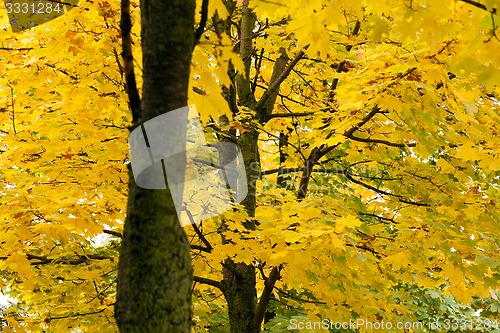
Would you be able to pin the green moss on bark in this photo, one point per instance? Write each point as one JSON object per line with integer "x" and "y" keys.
{"x": 155, "y": 273}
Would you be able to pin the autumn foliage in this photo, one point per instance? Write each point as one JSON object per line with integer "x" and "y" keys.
{"x": 377, "y": 188}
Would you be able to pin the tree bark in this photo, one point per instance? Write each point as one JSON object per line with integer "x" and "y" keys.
{"x": 155, "y": 273}
{"x": 239, "y": 279}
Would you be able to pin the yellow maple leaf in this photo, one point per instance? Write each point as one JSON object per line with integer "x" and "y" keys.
{"x": 349, "y": 221}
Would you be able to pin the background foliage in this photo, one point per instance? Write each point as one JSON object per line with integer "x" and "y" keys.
{"x": 401, "y": 225}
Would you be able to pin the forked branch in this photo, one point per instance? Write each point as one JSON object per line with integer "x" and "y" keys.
{"x": 276, "y": 83}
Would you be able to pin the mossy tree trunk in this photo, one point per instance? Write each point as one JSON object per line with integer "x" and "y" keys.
{"x": 155, "y": 273}
{"x": 239, "y": 283}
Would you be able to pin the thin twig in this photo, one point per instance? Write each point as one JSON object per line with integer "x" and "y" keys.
{"x": 295, "y": 114}
{"x": 198, "y": 231}
{"x": 16, "y": 49}
{"x": 288, "y": 295}
{"x": 77, "y": 314}
{"x": 13, "y": 110}
{"x": 79, "y": 259}
{"x": 379, "y": 191}
{"x": 290, "y": 170}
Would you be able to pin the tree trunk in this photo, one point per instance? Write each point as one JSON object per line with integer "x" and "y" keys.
{"x": 240, "y": 292}
{"x": 239, "y": 278}
{"x": 155, "y": 273}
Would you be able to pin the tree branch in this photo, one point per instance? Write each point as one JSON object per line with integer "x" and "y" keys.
{"x": 290, "y": 170}
{"x": 363, "y": 121}
{"x": 203, "y": 22}
{"x": 363, "y": 247}
{"x": 202, "y": 237}
{"x": 315, "y": 155}
{"x": 16, "y": 49}
{"x": 306, "y": 174}
{"x": 209, "y": 282}
{"x": 13, "y": 109}
{"x": 275, "y": 84}
{"x": 341, "y": 65}
{"x": 258, "y": 64}
{"x": 208, "y": 246}
{"x": 277, "y": 137}
{"x": 199, "y": 248}
{"x": 269, "y": 283}
{"x": 128, "y": 61}
{"x": 379, "y": 191}
{"x": 74, "y": 315}
{"x": 62, "y": 3}
{"x": 62, "y": 71}
{"x": 380, "y": 141}
{"x": 479, "y": 5}
{"x": 381, "y": 218}
{"x": 278, "y": 68}
{"x": 281, "y": 96}
{"x": 243, "y": 84}
{"x": 199, "y": 91}
{"x": 287, "y": 294}
{"x": 113, "y": 233}
{"x": 293, "y": 114}
{"x": 79, "y": 259}
{"x": 350, "y": 133}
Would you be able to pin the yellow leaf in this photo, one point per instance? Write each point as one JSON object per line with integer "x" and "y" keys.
{"x": 349, "y": 221}
{"x": 398, "y": 260}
